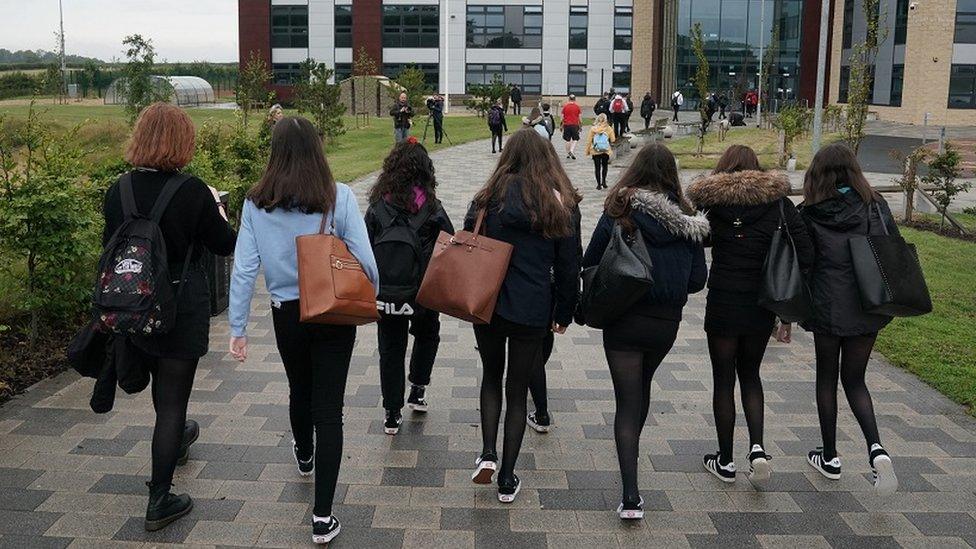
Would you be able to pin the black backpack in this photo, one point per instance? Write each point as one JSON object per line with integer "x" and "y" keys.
{"x": 400, "y": 255}
{"x": 133, "y": 293}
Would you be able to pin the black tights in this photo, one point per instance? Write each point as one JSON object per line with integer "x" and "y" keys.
{"x": 737, "y": 356}
{"x": 537, "y": 384}
{"x": 847, "y": 358}
{"x": 600, "y": 165}
{"x": 496, "y": 134}
{"x": 172, "y": 382}
{"x": 525, "y": 345}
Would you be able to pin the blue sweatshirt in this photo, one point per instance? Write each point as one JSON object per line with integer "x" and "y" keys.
{"x": 268, "y": 239}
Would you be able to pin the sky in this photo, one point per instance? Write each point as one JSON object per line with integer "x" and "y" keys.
{"x": 181, "y": 30}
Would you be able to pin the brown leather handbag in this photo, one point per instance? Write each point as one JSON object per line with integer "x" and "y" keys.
{"x": 332, "y": 286}
{"x": 465, "y": 274}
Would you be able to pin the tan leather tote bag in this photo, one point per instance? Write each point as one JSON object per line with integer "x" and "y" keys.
{"x": 465, "y": 274}
{"x": 332, "y": 286}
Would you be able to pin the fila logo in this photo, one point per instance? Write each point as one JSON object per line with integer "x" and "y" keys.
{"x": 127, "y": 266}
{"x": 403, "y": 309}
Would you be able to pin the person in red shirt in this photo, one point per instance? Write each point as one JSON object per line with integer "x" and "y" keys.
{"x": 571, "y": 126}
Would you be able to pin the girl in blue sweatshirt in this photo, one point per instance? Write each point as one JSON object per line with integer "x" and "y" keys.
{"x": 297, "y": 189}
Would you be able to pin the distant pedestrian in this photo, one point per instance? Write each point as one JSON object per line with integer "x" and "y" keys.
{"x": 497, "y": 124}
{"x": 549, "y": 121}
{"x": 537, "y": 122}
{"x": 647, "y": 109}
{"x": 618, "y": 114}
{"x": 571, "y": 123}
{"x": 515, "y": 94}
{"x": 402, "y": 113}
{"x": 677, "y": 99}
{"x": 602, "y": 105}
{"x": 630, "y": 111}
{"x": 723, "y": 103}
{"x": 599, "y": 146}
{"x": 435, "y": 106}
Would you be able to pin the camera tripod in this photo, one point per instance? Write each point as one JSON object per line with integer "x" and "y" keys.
{"x": 443, "y": 131}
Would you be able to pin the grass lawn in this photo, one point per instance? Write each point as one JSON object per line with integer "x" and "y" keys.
{"x": 764, "y": 142}
{"x": 940, "y": 348}
{"x": 967, "y": 220}
{"x": 359, "y": 151}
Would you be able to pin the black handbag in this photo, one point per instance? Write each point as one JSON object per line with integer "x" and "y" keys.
{"x": 889, "y": 276}
{"x": 620, "y": 280}
{"x": 783, "y": 290}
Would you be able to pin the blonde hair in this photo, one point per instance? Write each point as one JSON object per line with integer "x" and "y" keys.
{"x": 601, "y": 118}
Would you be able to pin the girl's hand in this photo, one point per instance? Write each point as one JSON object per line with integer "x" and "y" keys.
{"x": 558, "y": 329}
{"x": 783, "y": 332}
{"x": 238, "y": 348}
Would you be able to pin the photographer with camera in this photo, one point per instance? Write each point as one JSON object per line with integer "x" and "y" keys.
{"x": 435, "y": 106}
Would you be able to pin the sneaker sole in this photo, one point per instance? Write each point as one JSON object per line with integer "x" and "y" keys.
{"x": 484, "y": 473}
{"x": 322, "y": 540}
{"x": 391, "y": 430}
{"x": 761, "y": 472}
{"x": 421, "y": 408}
{"x": 887, "y": 482}
{"x": 829, "y": 475}
{"x": 536, "y": 427}
{"x": 509, "y": 498}
{"x": 154, "y": 525}
{"x": 718, "y": 476}
{"x": 631, "y": 514}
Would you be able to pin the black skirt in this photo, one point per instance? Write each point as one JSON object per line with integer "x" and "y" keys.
{"x": 736, "y": 313}
{"x": 190, "y": 337}
{"x": 635, "y": 332}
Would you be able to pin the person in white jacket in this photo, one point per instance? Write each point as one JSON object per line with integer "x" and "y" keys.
{"x": 677, "y": 99}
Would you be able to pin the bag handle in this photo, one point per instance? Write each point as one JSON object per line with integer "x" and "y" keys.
{"x": 783, "y": 224}
{"x": 326, "y": 218}
{"x": 479, "y": 221}
{"x": 884, "y": 226}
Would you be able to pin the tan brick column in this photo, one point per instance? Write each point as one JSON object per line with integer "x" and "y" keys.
{"x": 644, "y": 55}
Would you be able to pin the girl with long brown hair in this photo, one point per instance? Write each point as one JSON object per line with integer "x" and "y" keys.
{"x": 293, "y": 196}
{"x": 745, "y": 206}
{"x": 838, "y": 203}
{"x": 647, "y": 203}
{"x": 526, "y": 202}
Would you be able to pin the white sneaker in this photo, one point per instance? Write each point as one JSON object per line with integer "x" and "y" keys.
{"x": 885, "y": 481}
{"x": 759, "y": 469}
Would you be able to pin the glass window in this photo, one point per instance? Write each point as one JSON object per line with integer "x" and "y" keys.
{"x": 406, "y": 26}
{"x": 848, "y": 30}
{"x": 528, "y": 77}
{"x": 289, "y": 26}
{"x": 286, "y": 74}
{"x": 901, "y": 22}
{"x": 623, "y": 27}
{"x": 578, "y": 21}
{"x": 343, "y": 26}
{"x": 965, "y": 23}
{"x": 897, "y": 82}
{"x": 431, "y": 72}
{"x": 845, "y": 84}
{"x": 343, "y": 71}
{"x": 577, "y": 79}
{"x": 621, "y": 78}
{"x": 962, "y": 87}
{"x": 504, "y": 26}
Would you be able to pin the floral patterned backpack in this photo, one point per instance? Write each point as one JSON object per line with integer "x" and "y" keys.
{"x": 133, "y": 293}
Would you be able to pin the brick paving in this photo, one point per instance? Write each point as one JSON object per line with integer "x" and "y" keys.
{"x": 70, "y": 478}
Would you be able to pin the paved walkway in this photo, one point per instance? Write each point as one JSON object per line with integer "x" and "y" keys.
{"x": 71, "y": 478}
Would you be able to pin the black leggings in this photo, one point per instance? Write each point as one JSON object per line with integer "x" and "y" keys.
{"x": 601, "y": 163}
{"x": 632, "y": 372}
{"x": 737, "y": 356}
{"x": 537, "y": 384}
{"x": 525, "y": 345}
{"x": 425, "y": 327}
{"x": 496, "y": 134}
{"x": 847, "y": 358}
{"x": 316, "y": 359}
{"x": 172, "y": 381}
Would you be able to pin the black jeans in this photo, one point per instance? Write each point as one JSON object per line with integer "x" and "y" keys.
{"x": 496, "y": 133}
{"x": 601, "y": 163}
{"x": 537, "y": 384}
{"x": 316, "y": 359}
{"x": 675, "y": 117}
{"x": 425, "y": 327}
{"x": 438, "y": 128}
{"x": 525, "y": 345}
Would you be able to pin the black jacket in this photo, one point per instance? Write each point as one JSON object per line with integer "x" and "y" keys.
{"x": 602, "y": 106}
{"x": 744, "y": 212}
{"x": 836, "y": 301}
{"x": 542, "y": 283}
{"x": 111, "y": 360}
{"x": 647, "y": 107}
{"x": 515, "y": 95}
{"x": 401, "y": 119}
{"x": 674, "y": 243}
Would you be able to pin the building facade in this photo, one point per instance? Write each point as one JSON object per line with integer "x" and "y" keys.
{"x": 549, "y": 48}
{"x": 925, "y": 70}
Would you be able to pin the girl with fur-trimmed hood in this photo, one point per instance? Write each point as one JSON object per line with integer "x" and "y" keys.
{"x": 647, "y": 201}
{"x": 745, "y": 206}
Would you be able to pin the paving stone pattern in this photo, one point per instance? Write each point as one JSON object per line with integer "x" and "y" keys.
{"x": 69, "y": 477}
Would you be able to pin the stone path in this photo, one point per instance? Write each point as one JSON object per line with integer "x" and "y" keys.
{"x": 71, "y": 478}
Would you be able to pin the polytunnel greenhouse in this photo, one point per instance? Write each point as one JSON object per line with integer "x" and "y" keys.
{"x": 185, "y": 91}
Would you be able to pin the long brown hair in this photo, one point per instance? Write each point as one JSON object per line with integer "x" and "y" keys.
{"x": 407, "y": 165}
{"x": 297, "y": 176}
{"x": 833, "y": 167}
{"x": 737, "y": 158}
{"x": 653, "y": 169}
{"x": 163, "y": 139}
{"x": 529, "y": 158}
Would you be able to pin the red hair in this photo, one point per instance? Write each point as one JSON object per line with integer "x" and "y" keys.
{"x": 163, "y": 139}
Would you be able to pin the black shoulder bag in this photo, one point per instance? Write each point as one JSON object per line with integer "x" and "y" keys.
{"x": 620, "y": 280}
{"x": 783, "y": 290}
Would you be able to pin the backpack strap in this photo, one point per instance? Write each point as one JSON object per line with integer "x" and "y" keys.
{"x": 173, "y": 184}
{"x": 129, "y": 208}
{"x": 420, "y": 218}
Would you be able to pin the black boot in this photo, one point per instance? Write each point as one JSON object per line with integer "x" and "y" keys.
{"x": 164, "y": 507}
{"x": 191, "y": 432}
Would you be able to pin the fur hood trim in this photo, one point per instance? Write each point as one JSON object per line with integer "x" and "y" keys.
{"x": 669, "y": 215}
{"x": 745, "y": 188}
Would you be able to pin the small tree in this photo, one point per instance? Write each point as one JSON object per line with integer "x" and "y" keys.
{"x": 483, "y": 96}
{"x": 413, "y": 81}
{"x": 363, "y": 67}
{"x": 136, "y": 83}
{"x": 320, "y": 100}
{"x": 909, "y": 177}
{"x": 252, "y": 85}
{"x": 943, "y": 172}
{"x": 770, "y": 56}
{"x": 861, "y": 82}
{"x": 792, "y": 121}
{"x": 700, "y": 81}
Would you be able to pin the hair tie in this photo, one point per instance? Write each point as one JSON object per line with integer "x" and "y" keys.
{"x": 412, "y": 140}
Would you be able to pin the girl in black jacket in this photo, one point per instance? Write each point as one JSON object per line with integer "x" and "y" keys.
{"x": 839, "y": 203}
{"x": 745, "y": 207}
{"x": 527, "y": 203}
{"x": 647, "y": 202}
{"x": 647, "y": 108}
{"x": 403, "y": 206}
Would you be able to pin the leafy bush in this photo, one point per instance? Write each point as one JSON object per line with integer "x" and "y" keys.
{"x": 483, "y": 96}
{"x": 320, "y": 100}
{"x": 19, "y": 84}
{"x": 793, "y": 121}
{"x": 943, "y": 173}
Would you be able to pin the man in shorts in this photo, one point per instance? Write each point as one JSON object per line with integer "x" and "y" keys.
{"x": 571, "y": 126}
